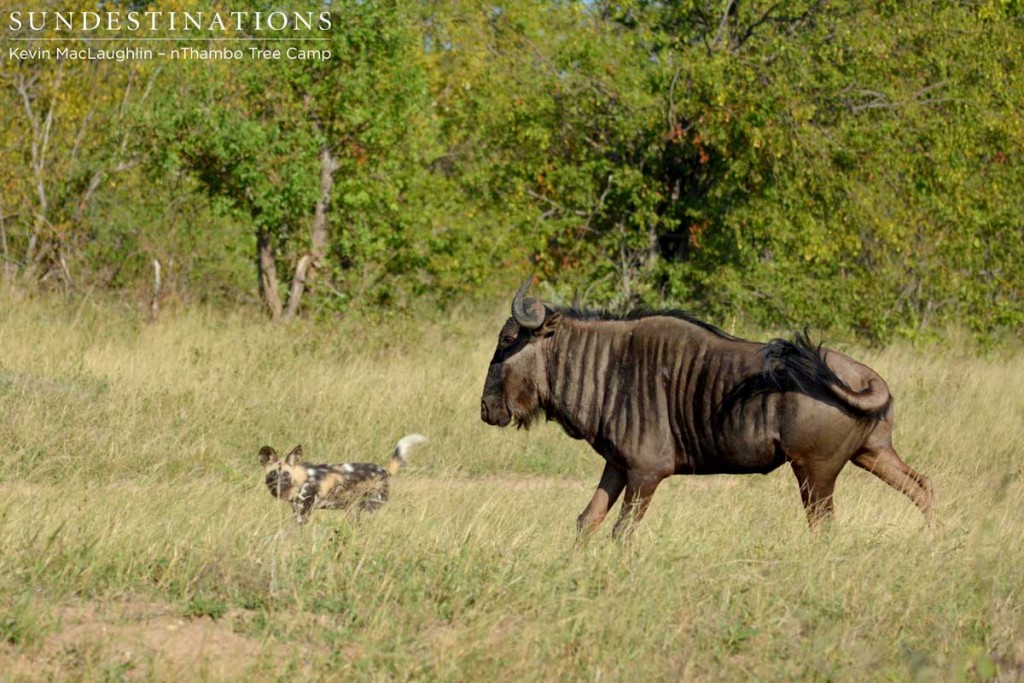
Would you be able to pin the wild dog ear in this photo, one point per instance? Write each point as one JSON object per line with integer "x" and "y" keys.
{"x": 293, "y": 455}
{"x": 267, "y": 455}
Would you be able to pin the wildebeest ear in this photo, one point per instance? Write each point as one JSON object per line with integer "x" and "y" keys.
{"x": 550, "y": 324}
{"x": 293, "y": 455}
{"x": 267, "y": 456}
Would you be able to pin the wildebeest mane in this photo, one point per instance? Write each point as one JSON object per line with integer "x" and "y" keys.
{"x": 639, "y": 314}
{"x": 796, "y": 366}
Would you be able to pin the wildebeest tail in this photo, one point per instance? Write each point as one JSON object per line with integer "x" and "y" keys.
{"x": 398, "y": 458}
{"x": 798, "y": 365}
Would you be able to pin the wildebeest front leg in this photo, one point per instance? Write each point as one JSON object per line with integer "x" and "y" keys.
{"x": 639, "y": 489}
{"x": 613, "y": 480}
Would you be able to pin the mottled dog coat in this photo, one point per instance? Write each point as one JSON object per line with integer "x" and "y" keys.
{"x": 306, "y": 486}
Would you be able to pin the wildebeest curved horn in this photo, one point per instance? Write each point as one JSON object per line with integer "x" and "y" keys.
{"x": 529, "y": 313}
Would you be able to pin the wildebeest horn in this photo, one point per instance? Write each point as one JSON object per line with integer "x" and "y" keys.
{"x": 529, "y": 313}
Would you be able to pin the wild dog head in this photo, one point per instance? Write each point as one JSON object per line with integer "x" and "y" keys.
{"x": 284, "y": 477}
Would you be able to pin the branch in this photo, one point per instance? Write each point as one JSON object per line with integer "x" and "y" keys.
{"x": 50, "y": 110}
{"x": 723, "y": 24}
{"x": 556, "y": 207}
{"x": 22, "y": 86}
{"x": 81, "y": 133}
{"x": 879, "y": 100}
{"x": 766, "y": 17}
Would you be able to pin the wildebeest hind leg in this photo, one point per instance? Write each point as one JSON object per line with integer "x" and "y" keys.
{"x": 887, "y": 466}
{"x": 639, "y": 489}
{"x": 613, "y": 480}
{"x": 817, "y": 484}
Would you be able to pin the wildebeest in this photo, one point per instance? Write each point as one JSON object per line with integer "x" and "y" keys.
{"x": 657, "y": 394}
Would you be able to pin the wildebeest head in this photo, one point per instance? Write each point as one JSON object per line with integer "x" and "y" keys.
{"x": 517, "y": 376}
{"x": 282, "y": 476}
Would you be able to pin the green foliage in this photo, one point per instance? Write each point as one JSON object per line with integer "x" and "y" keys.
{"x": 852, "y": 166}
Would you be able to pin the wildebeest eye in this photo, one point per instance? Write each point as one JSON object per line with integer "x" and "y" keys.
{"x": 509, "y": 333}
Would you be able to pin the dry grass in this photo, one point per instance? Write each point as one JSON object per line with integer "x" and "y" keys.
{"x": 138, "y": 540}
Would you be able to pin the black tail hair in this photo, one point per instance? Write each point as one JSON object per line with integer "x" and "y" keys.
{"x": 796, "y": 366}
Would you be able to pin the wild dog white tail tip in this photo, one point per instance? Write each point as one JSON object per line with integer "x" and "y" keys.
{"x": 407, "y": 442}
{"x": 398, "y": 458}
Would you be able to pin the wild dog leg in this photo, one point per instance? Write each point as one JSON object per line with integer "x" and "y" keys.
{"x": 303, "y": 503}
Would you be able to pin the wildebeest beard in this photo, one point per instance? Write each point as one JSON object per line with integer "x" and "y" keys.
{"x": 528, "y": 420}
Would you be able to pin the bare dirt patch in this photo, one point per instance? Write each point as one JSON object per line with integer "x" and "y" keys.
{"x": 134, "y": 639}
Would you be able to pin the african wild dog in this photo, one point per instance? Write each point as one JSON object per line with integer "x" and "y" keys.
{"x": 331, "y": 487}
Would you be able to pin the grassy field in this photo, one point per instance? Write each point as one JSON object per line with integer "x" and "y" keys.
{"x": 137, "y": 540}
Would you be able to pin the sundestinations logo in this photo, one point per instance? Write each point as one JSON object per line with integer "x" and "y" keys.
{"x": 136, "y": 21}
{"x": 176, "y": 35}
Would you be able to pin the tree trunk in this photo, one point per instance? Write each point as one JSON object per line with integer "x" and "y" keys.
{"x": 3, "y": 244}
{"x": 267, "y": 273}
{"x": 154, "y": 300}
{"x": 305, "y": 268}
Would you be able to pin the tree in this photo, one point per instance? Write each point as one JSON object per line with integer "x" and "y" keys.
{"x": 273, "y": 142}
{"x": 68, "y": 119}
